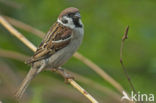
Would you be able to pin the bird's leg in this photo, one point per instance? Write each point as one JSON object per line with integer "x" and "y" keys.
{"x": 64, "y": 74}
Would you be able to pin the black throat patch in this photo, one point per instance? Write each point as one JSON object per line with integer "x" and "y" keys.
{"x": 77, "y": 23}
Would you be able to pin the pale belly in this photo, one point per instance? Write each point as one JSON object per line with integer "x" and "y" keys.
{"x": 62, "y": 56}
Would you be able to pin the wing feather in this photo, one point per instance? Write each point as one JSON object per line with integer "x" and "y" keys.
{"x": 57, "y": 38}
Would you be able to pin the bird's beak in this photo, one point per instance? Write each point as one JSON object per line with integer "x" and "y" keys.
{"x": 77, "y": 16}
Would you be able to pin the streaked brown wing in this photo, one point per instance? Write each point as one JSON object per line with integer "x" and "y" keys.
{"x": 57, "y": 38}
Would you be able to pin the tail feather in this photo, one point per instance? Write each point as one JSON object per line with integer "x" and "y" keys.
{"x": 31, "y": 74}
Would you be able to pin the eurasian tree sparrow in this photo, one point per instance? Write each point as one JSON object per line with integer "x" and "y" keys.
{"x": 58, "y": 45}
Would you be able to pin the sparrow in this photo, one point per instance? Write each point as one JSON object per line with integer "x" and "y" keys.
{"x": 59, "y": 44}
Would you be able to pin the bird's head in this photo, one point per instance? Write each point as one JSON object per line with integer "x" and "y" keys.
{"x": 70, "y": 17}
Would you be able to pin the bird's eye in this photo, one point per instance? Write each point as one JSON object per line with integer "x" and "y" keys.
{"x": 70, "y": 15}
{"x": 64, "y": 21}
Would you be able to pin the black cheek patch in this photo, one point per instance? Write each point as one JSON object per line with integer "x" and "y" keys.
{"x": 64, "y": 21}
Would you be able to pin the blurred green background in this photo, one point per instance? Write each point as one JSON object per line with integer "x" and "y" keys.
{"x": 105, "y": 22}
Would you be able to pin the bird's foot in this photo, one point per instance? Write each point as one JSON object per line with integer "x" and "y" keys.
{"x": 67, "y": 76}
{"x": 64, "y": 74}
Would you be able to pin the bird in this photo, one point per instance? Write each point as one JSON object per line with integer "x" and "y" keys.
{"x": 57, "y": 47}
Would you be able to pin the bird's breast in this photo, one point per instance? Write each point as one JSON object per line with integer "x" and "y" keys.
{"x": 60, "y": 57}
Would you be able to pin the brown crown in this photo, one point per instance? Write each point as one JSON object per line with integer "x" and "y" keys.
{"x": 68, "y": 10}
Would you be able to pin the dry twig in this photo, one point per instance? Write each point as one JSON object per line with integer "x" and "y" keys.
{"x": 24, "y": 26}
{"x": 125, "y": 36}
{"x": 16, "y": 33}
{"x": 11, "y": 4}
{"x": 13, "y": 55}
{"x": 33, "y": 48}
{"x": 99, "y": 71}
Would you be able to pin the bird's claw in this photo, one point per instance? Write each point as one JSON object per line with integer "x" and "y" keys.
{"x": 68, "y": 76}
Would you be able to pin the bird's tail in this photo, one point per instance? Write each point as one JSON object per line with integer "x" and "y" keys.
{"x": 31, "y": 74}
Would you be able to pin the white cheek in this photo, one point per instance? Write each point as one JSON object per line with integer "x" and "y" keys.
{"x": 70, "y": 23}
